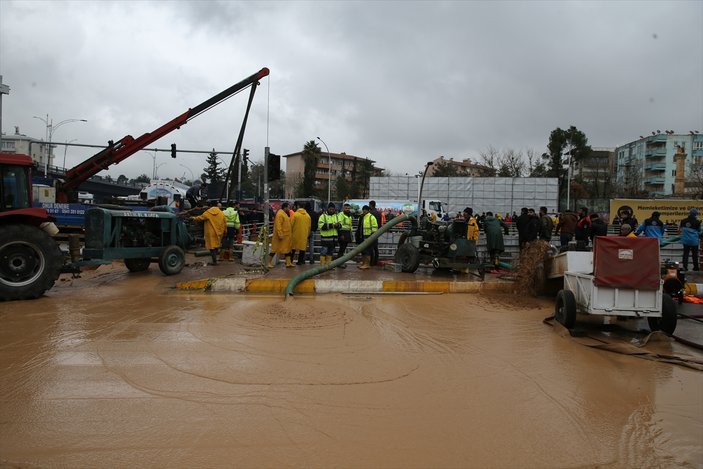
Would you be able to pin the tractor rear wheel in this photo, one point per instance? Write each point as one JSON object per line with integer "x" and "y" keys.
{"x": 408, "y": 257}
{"x": 30, "y": 262}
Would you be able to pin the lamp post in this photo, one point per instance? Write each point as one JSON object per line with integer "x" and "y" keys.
{"x": 568, "y": 178}
{"x": 65, "y": 148}
{"x": 50, "y": 129}
{"x": 329, "y": 172}
{"x": 192, "y": 176}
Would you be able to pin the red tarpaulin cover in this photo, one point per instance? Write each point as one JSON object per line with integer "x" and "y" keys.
{"x": 622, "y": 262}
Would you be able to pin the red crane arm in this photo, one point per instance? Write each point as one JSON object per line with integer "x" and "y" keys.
{"x": 128, "y": 145}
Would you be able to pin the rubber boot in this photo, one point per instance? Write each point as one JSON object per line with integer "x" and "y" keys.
{"x": 213, "y": 254}
{"x": 329, "y": 259}
{"x": 288, "y": 262}
{"x": 270, "y": 264}
{"x": 230, "y": 256}
{"x": 323, "y": 260}
{"x": 365, "y": 262}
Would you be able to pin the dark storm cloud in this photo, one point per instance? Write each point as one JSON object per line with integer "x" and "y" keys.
{"x": 398, "y": 82}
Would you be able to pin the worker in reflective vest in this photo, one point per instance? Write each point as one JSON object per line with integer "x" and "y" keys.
{"x": 368, "y": 225}
{"x": 232, "y": 220}
{"x": 345, "y": 231}
{"x": 328, "y": 224}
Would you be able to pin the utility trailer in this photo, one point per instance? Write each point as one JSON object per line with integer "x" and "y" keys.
{"x": 623, "y": 281}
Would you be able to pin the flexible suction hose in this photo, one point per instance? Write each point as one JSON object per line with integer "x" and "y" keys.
{"x": 350, "y": 255}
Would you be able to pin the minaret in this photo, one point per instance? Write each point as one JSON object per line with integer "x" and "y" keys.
{"x": 680, "y": 181}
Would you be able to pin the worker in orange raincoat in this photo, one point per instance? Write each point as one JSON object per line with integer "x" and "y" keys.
{"x": 282, "y": 237}
{"x": 215, "y": 226}
{"x": 300, "y": 227}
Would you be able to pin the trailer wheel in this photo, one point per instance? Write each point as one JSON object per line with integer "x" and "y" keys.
{"x": 30, "y": 262}
{"x": 565, "y": 309}
{"x": 137, "y": 265}
{"x": 172, "y": 260}
{"x": 408, "y": 257}
{"x": 667, "y": 322}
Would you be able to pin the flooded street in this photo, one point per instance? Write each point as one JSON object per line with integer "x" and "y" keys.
{"x": 119, "y": 370}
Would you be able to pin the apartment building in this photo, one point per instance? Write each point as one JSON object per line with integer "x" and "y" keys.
{"x": 647, "y": 165}
{"x": 356, "y": 171}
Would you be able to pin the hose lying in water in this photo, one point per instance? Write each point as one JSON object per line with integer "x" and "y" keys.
{"x": 348, "y": 256}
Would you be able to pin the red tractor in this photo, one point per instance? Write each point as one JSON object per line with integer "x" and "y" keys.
{"x": 30, "y": 259}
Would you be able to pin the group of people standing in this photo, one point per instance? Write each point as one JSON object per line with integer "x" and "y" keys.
{"x": 293, "y": 229}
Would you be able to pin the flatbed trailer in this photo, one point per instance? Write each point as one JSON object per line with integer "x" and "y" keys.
{"x": 625, "y": 282}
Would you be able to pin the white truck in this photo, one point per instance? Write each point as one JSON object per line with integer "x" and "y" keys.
{"x": 433, "y": 208}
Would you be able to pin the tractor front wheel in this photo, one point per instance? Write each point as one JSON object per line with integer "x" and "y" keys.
{"x": 30, "y": 262}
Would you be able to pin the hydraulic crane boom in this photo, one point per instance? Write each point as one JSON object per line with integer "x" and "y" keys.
{"x": 128, "y": 145}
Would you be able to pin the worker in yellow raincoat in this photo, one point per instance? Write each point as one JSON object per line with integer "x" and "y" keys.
{"x": 282, "y": 237}
{"x": 214, "y": 227}
{"x": 300, "y": 225}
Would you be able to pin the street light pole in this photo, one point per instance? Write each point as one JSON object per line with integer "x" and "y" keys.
{"x": 4, "y": 89}
{"x": 65, "y": 148}
{"x": 50, "y": 129}
{"x": 192, "y": 176}
{"x": 329, "y": 172}
{"x": 568, "y": 178}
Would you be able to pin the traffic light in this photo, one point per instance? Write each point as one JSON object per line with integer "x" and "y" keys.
{"x": 173, "y": 150}
{"x": 274, "y": 167}
{"x": 246, "y": 154}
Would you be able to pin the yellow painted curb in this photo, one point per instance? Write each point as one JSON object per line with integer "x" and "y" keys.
{"x": 193, "y": 284}
{"x": 263, "y": 285}
{"x": 419, "y": 286}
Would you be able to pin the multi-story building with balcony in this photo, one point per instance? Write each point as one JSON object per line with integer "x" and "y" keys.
{"x": 356, "y": 170}
{"x": 647, "y": 166}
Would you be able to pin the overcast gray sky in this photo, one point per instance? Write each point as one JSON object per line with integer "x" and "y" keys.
{"x": 399, "y": 82}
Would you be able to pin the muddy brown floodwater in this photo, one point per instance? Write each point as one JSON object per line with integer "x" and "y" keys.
{"x": 120, "y": 370}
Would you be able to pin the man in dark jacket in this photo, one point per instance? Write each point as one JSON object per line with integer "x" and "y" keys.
{"x": 566, "y": 228}
{"x": 690, "y": 229}
{"x": 373, "y": 211}
{"x": 314, "y": 218}
{"x": 532, "y": 229}
{"x": 598, "y": 227}
{"x": 521, "y": 224}
{"x": 546, "y": 225}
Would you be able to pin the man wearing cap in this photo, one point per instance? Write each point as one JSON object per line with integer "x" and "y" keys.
{"x": 690, "y": 230}
{"x": 368, "y": 225}
{"x": 328, "y": 225}
{"x": 652, "y": 227}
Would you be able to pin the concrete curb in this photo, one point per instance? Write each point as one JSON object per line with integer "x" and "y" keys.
{"x": 278, "y": 285}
